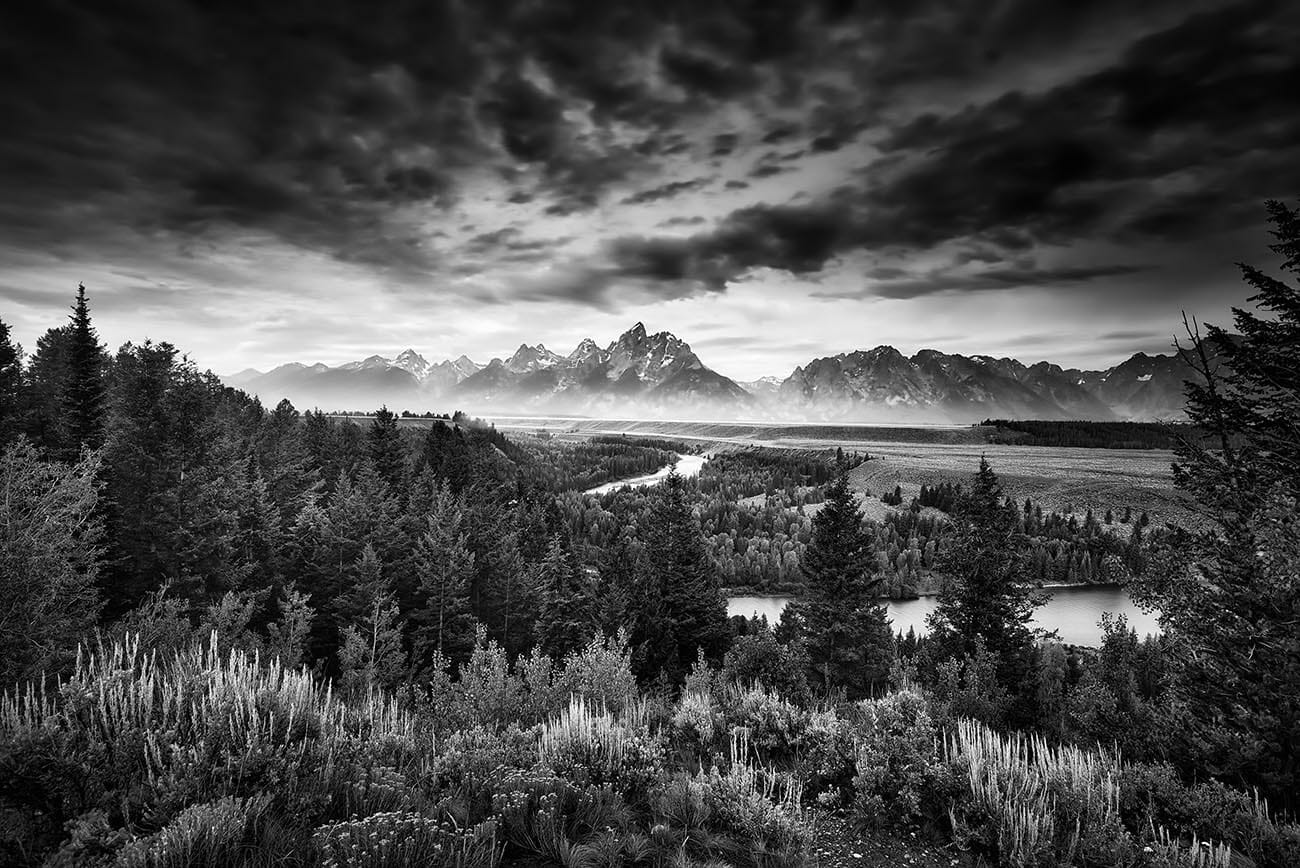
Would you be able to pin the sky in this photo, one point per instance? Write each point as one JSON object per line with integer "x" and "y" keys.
{"x": 259, "y": 183}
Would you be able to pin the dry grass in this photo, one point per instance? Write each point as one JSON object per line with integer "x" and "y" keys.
{"x": 1060, "y": 479}
{"x": 1044, "y": 799}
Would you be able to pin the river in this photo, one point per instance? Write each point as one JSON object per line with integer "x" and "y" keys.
{"x": 686, "y": 465}
{"x": 1073, "y": 612}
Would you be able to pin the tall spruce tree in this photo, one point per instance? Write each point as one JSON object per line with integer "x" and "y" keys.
{"x": 83, "y": 396}
{"x": 985, "y": 597}
{"x": 384, "y": 447}
{"x": 444, "y": 567}
{"x": 846, "y": 630}
{"x": 47, "y": 373}
{"x": 370, "y": 638}
{"x": 680, "y": 611}
{"x": 569, "y": 617}
{"x": 1229, "y": 594}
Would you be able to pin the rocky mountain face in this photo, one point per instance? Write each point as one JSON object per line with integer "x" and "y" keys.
{"x": 931, "y": 387}
{"x": 639, "y": 373}
{"x": 660, "y": 376}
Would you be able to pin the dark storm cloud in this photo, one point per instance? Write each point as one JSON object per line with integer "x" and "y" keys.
{"x": 1205, "y": 108}
{"x": 899, "y": 284}
{"x": 797, "y": 239}
{"x": 1081, "y": 159}
{"x": 724, "y": 144}
{"x": 311, "y": 122}
{"x": 351, "y": 129}
{"x": 665, "y": 191}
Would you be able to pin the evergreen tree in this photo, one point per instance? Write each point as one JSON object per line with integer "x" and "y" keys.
{"x": 285, "y": 460}
{"x": 288, "y": 635}
{"x": 984, "y": 597}
{"x": 617, "y": 571}
{"x": 1229, "y": 595}
{"x": 444, "y": 567}
{"x": 11, "y": 386}
{"x": 847, "y": 633}
{"x": 176, "y": 481}
{"x": 47, "y": 375}
{"x": 371, "y": 654}
{"x": 568, "y": 617}
{"x": 680, "y": 611}
{"x": 385, "y": 450}
{"x": 83, "y": 396}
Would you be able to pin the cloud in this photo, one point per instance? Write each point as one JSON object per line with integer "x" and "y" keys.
{"x": 620, "y": 153}
{"x": 664, "y": 191}
{"x": 898, "y": 284}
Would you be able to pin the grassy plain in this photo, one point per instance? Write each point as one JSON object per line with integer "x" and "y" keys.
{"x": 1063, "y": 479}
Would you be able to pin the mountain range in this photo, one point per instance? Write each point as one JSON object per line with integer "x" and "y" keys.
{"x": 660, "y": 376}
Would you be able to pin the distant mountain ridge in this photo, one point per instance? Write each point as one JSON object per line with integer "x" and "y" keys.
{"x": 882, "y": 384}
{"x": 659, "y": 375}
{"x": 637, "y": 373}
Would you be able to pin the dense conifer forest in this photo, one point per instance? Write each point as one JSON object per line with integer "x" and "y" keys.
{"x": 241, "y": 635}
{"x": 1091, "y": 435}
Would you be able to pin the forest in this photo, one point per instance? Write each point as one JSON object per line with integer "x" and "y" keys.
{"x": 240, "y": 635}
{"x": 1090, "y": 435}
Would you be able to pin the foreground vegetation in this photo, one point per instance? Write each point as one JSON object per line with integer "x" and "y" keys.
{"x": 234, "y": 636}
{"x": 204, "y": 756}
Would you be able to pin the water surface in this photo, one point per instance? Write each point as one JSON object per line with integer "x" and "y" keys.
{"x": 1072, "y": 612}
{"x": 686, "y": 465}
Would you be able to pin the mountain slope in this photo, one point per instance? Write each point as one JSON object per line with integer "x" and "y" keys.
{"x": 882, "y": 385}
{"x": 658, "y": 375}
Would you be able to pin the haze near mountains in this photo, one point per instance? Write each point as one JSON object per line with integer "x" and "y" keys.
{"x": 659, "y": 376}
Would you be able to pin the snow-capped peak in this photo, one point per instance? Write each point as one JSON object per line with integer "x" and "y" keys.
{"x": 410, "y": 360}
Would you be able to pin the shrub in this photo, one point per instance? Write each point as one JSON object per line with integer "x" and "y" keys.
{"x": 545, "y": 815}
{"x": 404, "y": 840}
{"x": 696, "y": 722}
{"x": 896, "y": 758}
{"x": 212, "y": 833}
{"x": 138, "y": 738}
{"x": 761, "y": 808}
{"x": 468, "y": 760}
{"x": 586, "y": 745}
{"x": 829, "y": 761}
{"x": 601, "y": 672}
{"x": 1036, "y": 803}
{"x": 1153, "y": 796}
{"x": 759, "y": 657}
{"x": 776, "y": 726}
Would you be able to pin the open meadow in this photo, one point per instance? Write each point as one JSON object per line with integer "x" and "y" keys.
{"x": 1060, "y": 479}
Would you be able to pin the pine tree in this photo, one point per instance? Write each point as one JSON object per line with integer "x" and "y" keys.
{"x": 618, "y": 572}
{"x": 682, "y": 613}
{"x": 285, "y": 461}
{"x": 47, "y": 376}
{"x": 1229, "y": 595}
{"x": 568, "y": 617}
{"x": 370, "y": 638}
{"x": 985, "y": 598}
{"x": 83, "y": 397}
{"x": 370, "y": 653}
{"x": 288, "y": 635}
{"x": 11, "y": 386}
{"x": 176, "y": 481}
{"x": 847, "y": 632}
{"x": 444, "y": 567}
{"x": 384, "y": 447}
